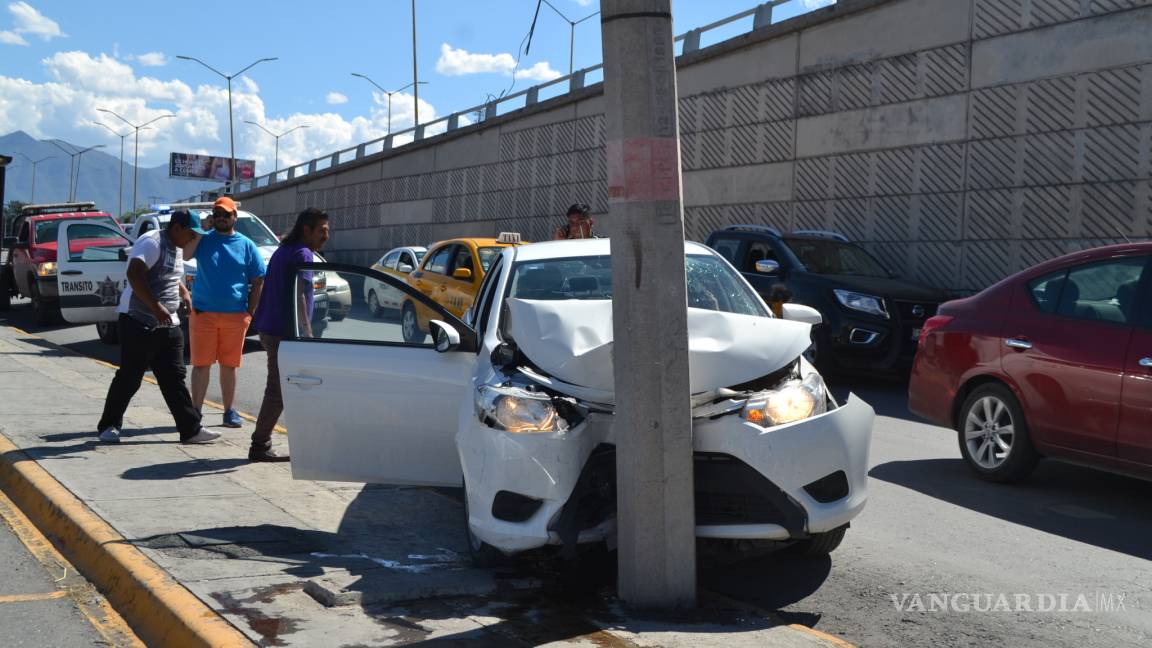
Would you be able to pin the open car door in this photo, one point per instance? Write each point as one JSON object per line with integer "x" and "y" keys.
{"x": 91, "y": 270}
{"x": 362, "y": 404}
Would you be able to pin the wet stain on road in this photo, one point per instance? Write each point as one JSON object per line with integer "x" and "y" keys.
{"x": 272, "y": 629}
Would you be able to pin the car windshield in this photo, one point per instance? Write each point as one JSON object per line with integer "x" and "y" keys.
{"x": 487, "y": 255}
{"x": 829, "y": 257}
{"x": 711, "y": 284}
{"x": 247, "y": 225}
{"x": 49, "y": 230}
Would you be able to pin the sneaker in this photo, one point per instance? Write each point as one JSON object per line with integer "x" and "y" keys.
{"x": 110, "y": 435}
{"x": 231, "y": 419}
{"x": 203, "y": 436}
{"x": 266, "y": 455}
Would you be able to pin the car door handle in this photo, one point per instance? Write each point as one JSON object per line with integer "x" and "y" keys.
{"x": 70, "y": 272}
{"x": 305, "y": 381}
{"x": 1020, "y": 344}
{"x": 1146, "y": 362}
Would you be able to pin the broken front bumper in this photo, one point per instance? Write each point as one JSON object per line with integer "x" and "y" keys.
{"x": 779, "y": 483}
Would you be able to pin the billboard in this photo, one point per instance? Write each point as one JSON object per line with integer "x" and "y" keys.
{"x": 209, "y": 167}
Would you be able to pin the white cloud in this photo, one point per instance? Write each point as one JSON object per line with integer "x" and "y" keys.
{"x": 816, "y": 4}
{"x": 152, "y": 59}
{"x": 30, "y": 21}
{"x": 12, "y": 38}
{"x": 336, "y": 99}
{"x": 539, "y": 72}
{"x": 585, "y": 3}
{"x": 458, "y": 62}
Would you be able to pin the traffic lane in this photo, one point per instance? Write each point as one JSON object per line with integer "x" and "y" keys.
{"x": 930, "y": 527}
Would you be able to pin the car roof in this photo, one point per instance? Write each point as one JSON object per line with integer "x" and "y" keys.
{"x": 476, "y": 241}
{"x": 410, "y": 248}
{"x": 585, "y": 247}
{"x": 85, "y": 214}
{"x": 1092, "y": 254}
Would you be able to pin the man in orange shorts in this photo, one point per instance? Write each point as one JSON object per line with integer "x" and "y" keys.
{"x": 229, "y": 275}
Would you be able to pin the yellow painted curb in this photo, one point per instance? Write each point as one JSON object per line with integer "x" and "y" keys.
{"x": 159, "y": 609}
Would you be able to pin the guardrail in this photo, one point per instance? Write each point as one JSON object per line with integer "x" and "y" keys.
{"x": 761, "y": 16}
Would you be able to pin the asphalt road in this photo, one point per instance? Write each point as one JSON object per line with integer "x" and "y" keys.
{"x": 931, "y": 535}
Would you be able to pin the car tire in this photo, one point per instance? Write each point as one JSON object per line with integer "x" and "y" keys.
{"x": 819, "y": 545}
{"x": 410, "y": 325}
{"x": 108, "y": 332}
{"x": 335, "y": 318}
{"x": 5, "y": 290}
{"x": 42, "y": 311}
{"x": 483, "y": 555}
{"x": 374, "y": 308}
{"x": 980, "y": 428}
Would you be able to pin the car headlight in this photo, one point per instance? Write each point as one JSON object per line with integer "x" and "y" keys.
{"x": 518, "y": 410}
{"x": 793, "y": 400}
{"x": 864, "y": 303}
{"x": 46, "y": 269}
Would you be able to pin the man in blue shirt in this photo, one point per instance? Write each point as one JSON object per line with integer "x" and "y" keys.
{"x": 229, "y": 276}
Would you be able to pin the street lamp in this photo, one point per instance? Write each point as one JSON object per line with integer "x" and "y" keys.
{"x": 357, "y": 74}
{"x": 571, "y": 31}
{"x": 136, "y": 155}
{"x": 277, "y": 169}
{"x": 120, "y": 196}
{"x": 77, "y": 157}
{"x": 228, "y": 78}
{"x": 32, "y": 199}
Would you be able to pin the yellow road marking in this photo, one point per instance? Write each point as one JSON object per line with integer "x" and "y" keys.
{"x": 107, "y": 622}
{"x": 22, "y": 598}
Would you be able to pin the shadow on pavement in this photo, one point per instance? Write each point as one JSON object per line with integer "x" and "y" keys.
{"x": 887, "y": 395}
{"x": 187, "y": 468}
{"x": 1090, "y": 506}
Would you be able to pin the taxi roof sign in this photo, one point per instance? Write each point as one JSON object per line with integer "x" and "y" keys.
{"x": 512, "y": 238}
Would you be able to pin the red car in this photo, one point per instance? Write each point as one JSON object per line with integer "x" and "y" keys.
{"x": 1055, "y": 361}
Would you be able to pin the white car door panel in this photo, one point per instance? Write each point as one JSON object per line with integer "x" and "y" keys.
{"x": 91, "y": 272}
{"x": 363, "y": 406}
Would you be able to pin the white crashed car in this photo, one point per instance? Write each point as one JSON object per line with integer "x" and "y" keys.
{"x": 516, "y": 404}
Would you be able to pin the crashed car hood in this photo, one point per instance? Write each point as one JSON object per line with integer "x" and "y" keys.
{"x": 571, "y": 340}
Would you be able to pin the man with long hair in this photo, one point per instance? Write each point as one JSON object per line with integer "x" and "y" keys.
{"x": 308, "y": 235}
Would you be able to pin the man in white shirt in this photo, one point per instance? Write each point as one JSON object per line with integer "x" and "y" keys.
{"x": 150, "y": 336}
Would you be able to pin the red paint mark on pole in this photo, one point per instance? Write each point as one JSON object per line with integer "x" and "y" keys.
{"x": 643, "y": 169}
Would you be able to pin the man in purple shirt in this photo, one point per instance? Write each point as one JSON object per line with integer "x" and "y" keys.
{"x": 307, "y": 236}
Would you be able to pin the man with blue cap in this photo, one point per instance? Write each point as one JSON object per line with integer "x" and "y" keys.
{"x": 150, "y": 336}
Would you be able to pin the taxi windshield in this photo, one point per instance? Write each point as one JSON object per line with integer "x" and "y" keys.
{"x": 247, "y": 225}
{"x": 711, "y": 284}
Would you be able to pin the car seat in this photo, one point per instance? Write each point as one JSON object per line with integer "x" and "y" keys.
{"x": 540, "y": 283}
{"x": 1126, "y": 299}
{"x": 583, "y": 285}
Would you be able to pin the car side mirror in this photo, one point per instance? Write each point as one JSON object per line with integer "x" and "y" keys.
{"x": 768, "y": 267}
{"x": 462, "y": 273}
{"x": 404, "y": 268}
{"x": 122, "y": 254}
{"x": 802, "y": 313}
{"x": 444, "y": 336}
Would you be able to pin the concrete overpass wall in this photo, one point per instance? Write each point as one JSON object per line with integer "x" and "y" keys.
{"x": 961, "y": 140}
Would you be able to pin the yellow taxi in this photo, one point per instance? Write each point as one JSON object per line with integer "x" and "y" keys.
{"x": 450, "y": 273}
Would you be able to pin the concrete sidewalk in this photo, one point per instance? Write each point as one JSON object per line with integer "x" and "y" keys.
{"x": 295, "y": 563}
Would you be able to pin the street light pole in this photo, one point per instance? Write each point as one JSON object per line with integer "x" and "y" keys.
{"x": 571, "y": 31}
{"x": 32, "y": 198}
{"x": 79, "y": 161}
{"x": 389, "y": 94}
{"x": 71, "y": 161}
{"x": 277, "y": 170}
{"x": 231, "y": 134}
{"x": 120, "y": 195}
{"x": 652, "y": 423}
{"x": 73, "y": 175}
{"x": 415, "y": 77}
{"x": 136, "y": 155}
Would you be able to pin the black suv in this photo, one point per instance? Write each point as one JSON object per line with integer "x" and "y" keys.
{"x": 872, "y": 319}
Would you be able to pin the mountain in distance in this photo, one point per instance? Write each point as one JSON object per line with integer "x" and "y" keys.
{"x": 99, "y": 175}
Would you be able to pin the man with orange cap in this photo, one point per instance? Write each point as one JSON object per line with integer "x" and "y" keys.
{"x": 229, "y": 276}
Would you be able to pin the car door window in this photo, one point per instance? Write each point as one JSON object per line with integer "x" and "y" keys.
{"x": 440, "y": 259}
{"x": 389, "y": 260}
{"x": 406, "y": 259}
{"x": 1103, "y": 292}
{"x": 462, "y": 258}
{"x": 757, "y": 251}
{"x": 1045, "y": 291}
{"x": 728, "y": 248}
{"x": 94, "y": 242}
{"x": 360, "y": 326}
{"x": 483, "y": 307}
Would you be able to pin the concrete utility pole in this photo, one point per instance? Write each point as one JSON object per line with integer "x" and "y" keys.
{"x": 653, "y": 419}
{"x": 415, "y": 76}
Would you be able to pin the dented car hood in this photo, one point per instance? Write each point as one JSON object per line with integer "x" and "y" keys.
{"x": 571, "y": 340}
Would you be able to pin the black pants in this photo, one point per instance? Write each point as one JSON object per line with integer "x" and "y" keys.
{"x": 162, "y": 351}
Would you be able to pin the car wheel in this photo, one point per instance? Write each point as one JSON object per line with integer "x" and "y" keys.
{"x": 993, "y": 435}
{"x": 483, "y": 555}
{"x": 5, "y": 290}
{"x": 820, "y": 544}
{"x": 42, "y": 312}
{"x": 374, "y": 305}
{"x": 410, "y": 325}
{"x": 107, "y": 332}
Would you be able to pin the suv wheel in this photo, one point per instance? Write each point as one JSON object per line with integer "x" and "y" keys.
{"x": 993, "y": 435}
{"x": 410, "y": 325}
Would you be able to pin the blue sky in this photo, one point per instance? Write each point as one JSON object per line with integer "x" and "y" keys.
{"x": 62, "y": 59}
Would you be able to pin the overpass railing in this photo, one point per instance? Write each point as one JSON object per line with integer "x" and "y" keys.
{"x": 690, "y": 41}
